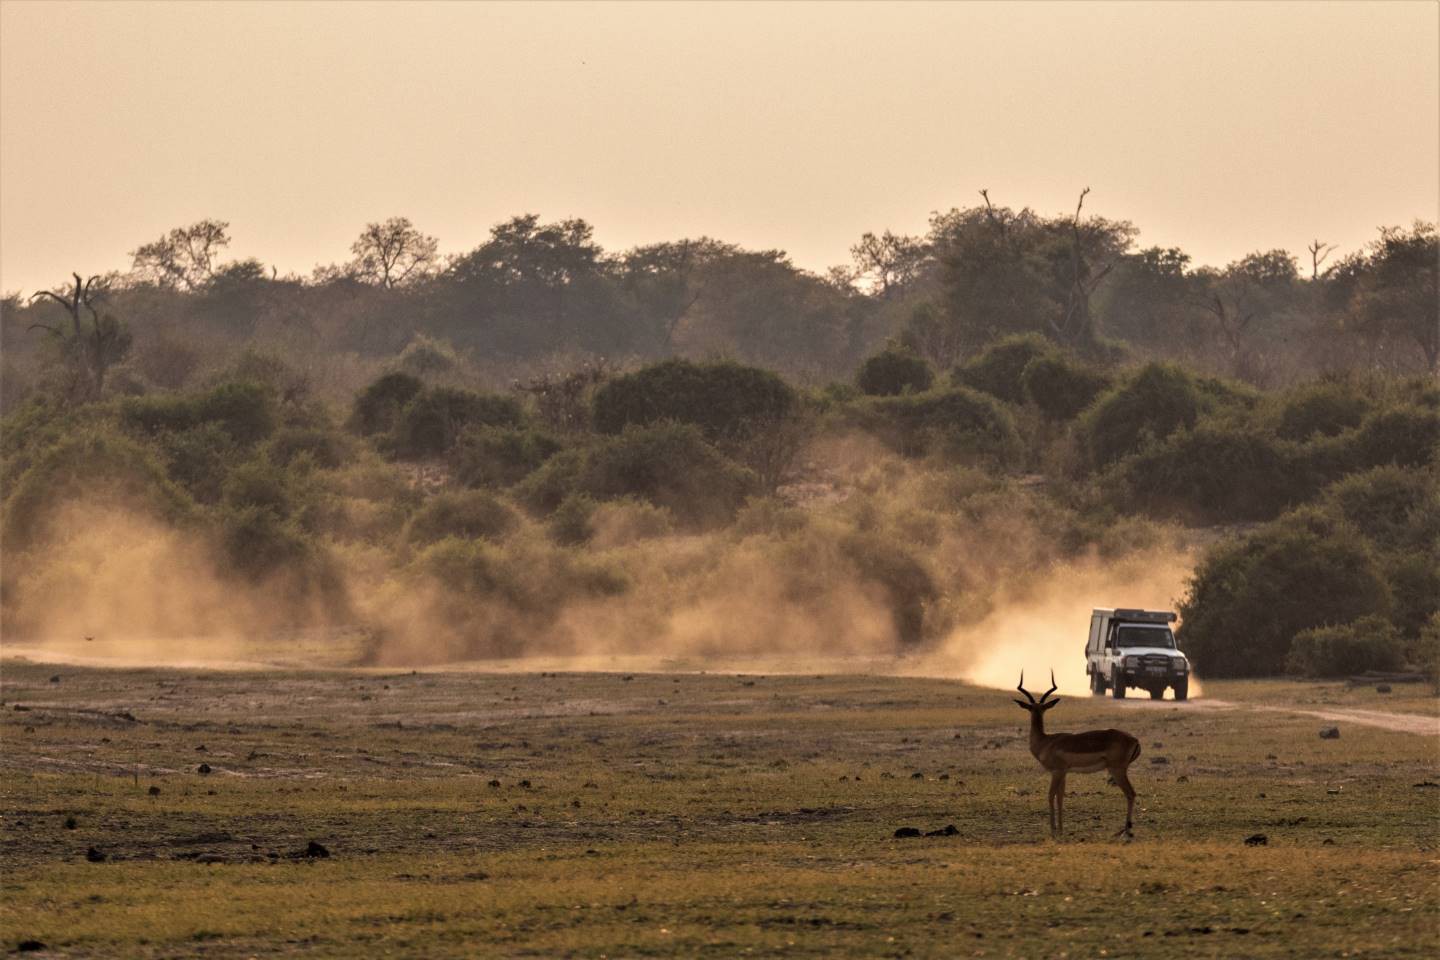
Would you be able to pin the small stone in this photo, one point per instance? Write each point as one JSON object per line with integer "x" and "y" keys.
{"x": 94, "y": 856}
{"x": 1159, "y": 761}
{"x": 494, "y": 784}
{"x": 154, "y": 791}
{"x": 904, "y": 832}
{"x": 1382, "y": 688}
{"x": 203, "y": 768}
{"x": 55, "y": 679}
{"x": 29, "y": 946}
{"x": 917, "y": 775}
{"x": 70, "y": 823}
{"x": 1329, "y": 733}
{"x": 316, "y": 850}
{"x": 1256, "y": 840}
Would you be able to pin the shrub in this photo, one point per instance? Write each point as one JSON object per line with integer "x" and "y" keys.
{"x": 256, "y": 543}
{"x": 893, "y": 371}
{"x": 1216, "y": 473}
{"x": 1152, "y": 404}
{"x": 244, "y": 410}
{"x": 94, "y": 466}
{"x": 430, "y": 423}
{"x": 260, "y": 485}
{"x": 324, "y": 447}
{"x": 499, "y": 456}
{"x": 1407, "y": 435}
{"x": 1320, "y": 409}
{"x": 1396, "y": 507}
{"x": 1369, "y": 643}
{"x": 721, "y": 398}
{"x": 669, "y": 465}
{"x": 955, "y": 421}
{"x": 1414, "y": 578}
{"x": 997, "y": 370}
{"x": 198, "y": 459}
{"x": 570, "y": 523}
{"x": 468, "y": 514}
{"x": 167, "y": 362}
{"x": 426, "y": 356}
{"x": 1060, "y": 388}
{"x": 767, "y": 515}
{"x": 377, "y": 408}
{"x": 1247, "y": 599}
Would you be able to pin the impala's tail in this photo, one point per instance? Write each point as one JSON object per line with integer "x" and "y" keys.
{"x": 1134, "y": 754}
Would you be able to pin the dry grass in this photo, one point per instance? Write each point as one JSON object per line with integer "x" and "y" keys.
{"x": 687, "y": 814}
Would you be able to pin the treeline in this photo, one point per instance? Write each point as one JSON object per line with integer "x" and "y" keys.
{"x": 539, "y": 298}
{"x": 632, "y": 495}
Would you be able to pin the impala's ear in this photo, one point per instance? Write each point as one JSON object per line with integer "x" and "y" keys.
{"x": 1050, "y": 703}
{"x": 1021, "y": 703}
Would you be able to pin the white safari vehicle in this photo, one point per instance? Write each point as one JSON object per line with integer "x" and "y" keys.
{"x": 1135, "y": 648}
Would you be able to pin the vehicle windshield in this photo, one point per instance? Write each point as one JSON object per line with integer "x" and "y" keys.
{"x": 1144, "y": 636}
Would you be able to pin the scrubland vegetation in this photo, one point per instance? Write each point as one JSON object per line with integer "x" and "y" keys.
{"x": 543, "y": 448}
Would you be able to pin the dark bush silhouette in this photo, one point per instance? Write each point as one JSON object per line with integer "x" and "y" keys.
{"x": 1216, "y": 473}
{"x": 997, "y": 369}
{"x": 955, "y": 421}
{"x": 429, "y": 424}
{"x": 378, "y": 407}
{"x": 245, "y": 410}
{"x": 469, "y": 514}
{"x": 669, "y": 465}
{"x": 499, "y": 456}
{"x": 1320, "y": 409}
{"x": 723, "y": 399}
{"x": 1369, "y": 643}
{"x": 1149, "y": 406}
{"x": 908, "y": 586}
{"x": 1249, "y": 598}
{"x": 893, "y": 371}
{"x": 1060, "y": 387}
{"x": 324, "y": 447}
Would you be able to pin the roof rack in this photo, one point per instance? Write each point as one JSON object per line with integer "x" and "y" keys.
{"x": 1145, "y": 616}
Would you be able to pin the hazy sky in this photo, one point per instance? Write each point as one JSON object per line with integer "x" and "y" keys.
{"x": 1219, "y": 127}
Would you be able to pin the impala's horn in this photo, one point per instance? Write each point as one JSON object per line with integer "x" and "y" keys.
{"x": 1046, "y": 695}
{"x": 1022, "y": 689}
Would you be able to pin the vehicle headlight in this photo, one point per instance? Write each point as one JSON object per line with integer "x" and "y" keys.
{"x": 1181, "y": 666}
{"x": 1132, "y": 662}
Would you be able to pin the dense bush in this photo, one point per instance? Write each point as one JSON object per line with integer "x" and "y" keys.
{"x": 955, "y": 421}
{"x": 1060, "y": 387}
{"x": 499, "y": 456}
{"x": 724, "y": 399}
{"x": 324, "y": 447}
{"x": 1249, "y": 598}
{"x": 469, "y": 514}
{"x": 669, "y": 465}
{"x": 245, "y": 410}
{"x": 95, "y": 466}
{"x": 998, "y": 369}
{"x": 377, "y": 409}
{"x": 1150, "y": 405}
{"x": 1322, "y": 408}
{"x": 893, "y": 371}
{"x": 1395, "y": 507}
{"x": 429, "y": 424}
{"x": 198, "y": 459}
{"x": 1369, "y": 643}
{"x": 1216, "y": 473}
{"x": 427, "y": 356}
{"x": 570, "y": 523}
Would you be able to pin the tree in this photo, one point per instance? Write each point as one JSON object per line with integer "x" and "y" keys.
{"x": 1241, "y": 298}
{"x": 1389, "y": 293}
{"x": 185, "y": 257}
{"x": 886, "y": 264}
{"x": 392, "y": 253}
{"x": 91, "y": 346}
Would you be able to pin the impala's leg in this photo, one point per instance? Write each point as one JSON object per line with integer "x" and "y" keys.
{"x": 1060, "y": 803}
{"x": 1122, "y": 780}
{"x": 1057, "y": 802}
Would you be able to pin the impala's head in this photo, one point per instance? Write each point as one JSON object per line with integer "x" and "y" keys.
{"x": 1041, "y": 705}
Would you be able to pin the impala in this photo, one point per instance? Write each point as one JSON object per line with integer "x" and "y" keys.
{"x": 1088, "y": 752}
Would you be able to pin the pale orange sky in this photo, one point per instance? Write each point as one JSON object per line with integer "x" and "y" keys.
{"x": 1221, "y": 128}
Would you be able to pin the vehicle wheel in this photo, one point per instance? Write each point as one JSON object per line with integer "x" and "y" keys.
{"x": 1157, "y": 693}
{"x": 1097, "y": 685}
{"x": 1182, "y": 689}
{"x": 1118, "y": 690}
